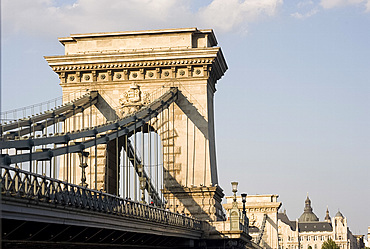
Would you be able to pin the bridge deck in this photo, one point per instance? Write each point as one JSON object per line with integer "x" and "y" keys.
{"x": 28, "y": 198}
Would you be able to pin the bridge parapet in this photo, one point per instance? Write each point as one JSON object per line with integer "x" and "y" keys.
{"x": 40, "y": 189}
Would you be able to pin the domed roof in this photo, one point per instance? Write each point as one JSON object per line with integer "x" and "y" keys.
{"x": 339, "y": 214}
{"x": 308, "y": 215}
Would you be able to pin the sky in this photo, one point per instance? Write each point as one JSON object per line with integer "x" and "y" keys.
{"x": 292, "y": 111}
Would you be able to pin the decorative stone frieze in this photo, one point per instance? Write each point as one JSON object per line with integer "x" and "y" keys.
{"x": 130, "y": 65}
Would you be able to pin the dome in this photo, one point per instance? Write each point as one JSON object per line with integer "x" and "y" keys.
{"x": 308, "y": 215}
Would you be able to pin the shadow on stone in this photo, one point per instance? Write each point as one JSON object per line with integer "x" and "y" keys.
{"x": 192, "y": 113}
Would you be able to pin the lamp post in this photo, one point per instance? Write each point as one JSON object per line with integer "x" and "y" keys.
{"x": 245, "y": 218}
{"x": 234, "y": 189}
{"x": 142, "y": 180}
{"x": 142, "y": 187}
{"x": 244, "y": 199}
{"x": 83, "y": 165}
{"x": 234, "y": 211}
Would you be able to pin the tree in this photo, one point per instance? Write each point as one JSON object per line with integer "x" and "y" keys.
{"x": 329, "y": 244}
{"x": 309, "y": 247}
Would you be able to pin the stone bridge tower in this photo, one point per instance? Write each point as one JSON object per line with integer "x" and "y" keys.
{"x": 114, "y": 63}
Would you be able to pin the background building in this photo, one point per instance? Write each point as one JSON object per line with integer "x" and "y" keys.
{"x": 309, "y": 231}
{"x": 262, "y": 211}
{"x": 272, "y": 229}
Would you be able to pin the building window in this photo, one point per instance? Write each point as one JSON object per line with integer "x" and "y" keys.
{"x": 315, "y": 246}
{"x": 301, "y": 238}
{"x": 315, "y": 238}
{"x": 308, "y": 238}
{"x": 340, "y": 237}
{"x": 329, "y": 237}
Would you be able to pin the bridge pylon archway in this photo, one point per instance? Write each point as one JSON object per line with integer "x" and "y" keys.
{"x": 129, "y": 69}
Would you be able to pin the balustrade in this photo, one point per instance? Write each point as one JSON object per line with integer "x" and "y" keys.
{"x": 17, "y": 183}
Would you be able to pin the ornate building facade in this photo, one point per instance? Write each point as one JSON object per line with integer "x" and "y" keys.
{"x": 270, "y": 228}
{"x": 262, "y": 212}
{"x": 308, "y": 231}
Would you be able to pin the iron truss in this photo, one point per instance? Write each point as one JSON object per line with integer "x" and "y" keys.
{"x": 98, "y": 135}
{"x": 66, "y": 143}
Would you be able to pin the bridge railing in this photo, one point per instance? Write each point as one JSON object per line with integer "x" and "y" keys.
{"x": 34, "y": 109}
{"x": 17, "y": 183}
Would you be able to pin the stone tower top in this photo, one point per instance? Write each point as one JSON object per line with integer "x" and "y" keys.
{"x": 141, "y": 64}
{"x": 161, "y": 39}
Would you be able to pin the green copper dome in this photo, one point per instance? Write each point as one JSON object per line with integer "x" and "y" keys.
{"x": 308, "y": 215}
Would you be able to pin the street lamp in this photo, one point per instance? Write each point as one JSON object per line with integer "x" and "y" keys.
{"x": 234, "y": 211}
{"x": 142, "y": 187}
{"x": 234, "y": 189}
{"x": 83, "y": 165}
{"x": 245, "y": 218}
{"x": 244, "y": 199}
{"x": 142, "y": 178}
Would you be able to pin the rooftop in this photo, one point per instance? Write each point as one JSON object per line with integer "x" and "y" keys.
{"x": 144, "y": 39}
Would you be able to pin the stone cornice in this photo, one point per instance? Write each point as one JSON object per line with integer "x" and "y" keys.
{"x": 135, "y": 56}
{"x": 144, "y": 59}
{"x": 254, "y": 205}
{"x": 119, "y": 65}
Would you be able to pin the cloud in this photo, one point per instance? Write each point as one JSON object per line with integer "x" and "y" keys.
{"x": 49, "y": 17}
{"x": 306, "y": 9}
{"x": 326, "y": 4}
{"x": 304, "y": 4}
{"x": 45, "y": 16}
{"x": 227, "y": 15}
{"x": 329, "y": 4}
{"x": 305, "y": 15}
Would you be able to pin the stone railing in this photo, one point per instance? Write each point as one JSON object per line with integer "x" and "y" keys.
{"x": 17, "y": 183}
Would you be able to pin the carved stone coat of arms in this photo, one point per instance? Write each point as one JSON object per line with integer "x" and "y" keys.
{"x": 133, "y": 100}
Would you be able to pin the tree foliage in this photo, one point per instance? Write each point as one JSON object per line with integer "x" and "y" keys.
{"x": 329, "y": 244}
